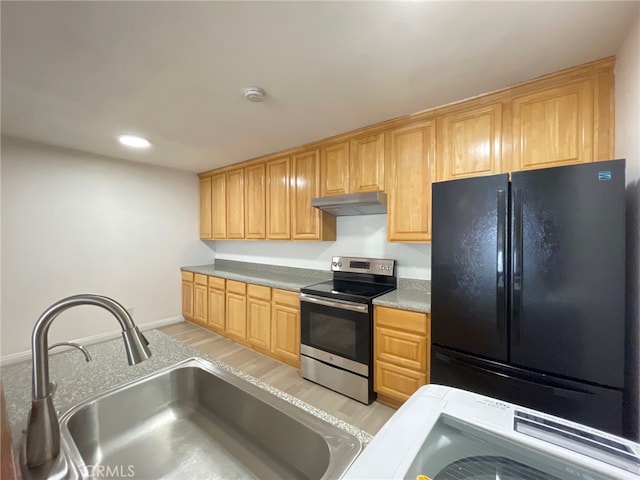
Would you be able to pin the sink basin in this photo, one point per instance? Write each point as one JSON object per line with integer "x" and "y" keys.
{"x": 195, "y": 420}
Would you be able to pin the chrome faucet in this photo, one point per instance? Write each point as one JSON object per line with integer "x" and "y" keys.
{"x": 43, "y": 430}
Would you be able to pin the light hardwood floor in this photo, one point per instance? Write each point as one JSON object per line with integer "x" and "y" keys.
{"x": 283, "y": 377}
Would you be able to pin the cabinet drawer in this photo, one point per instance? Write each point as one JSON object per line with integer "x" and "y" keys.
{"x": 236, "y": 287}
{"x": 286, "y": 297}
{"x": 187, "y": 276}
{"x": 403, "y": 319}
{"x": 259, "y": 291}
{"x": 200, "y": 279}
{"x": 397, "y": 382}
{"x": 216, "y": 282}
{"x": 401, "y": 348}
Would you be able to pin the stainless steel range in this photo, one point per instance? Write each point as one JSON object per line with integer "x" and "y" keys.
{"x": 337, "y": 325}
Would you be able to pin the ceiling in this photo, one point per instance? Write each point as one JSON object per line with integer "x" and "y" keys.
{"x": 77, "y": 74}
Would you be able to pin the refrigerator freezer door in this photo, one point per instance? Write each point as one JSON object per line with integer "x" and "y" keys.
{"x": 468, "y": 265}
{"x": 567, "y": 303}
{"x": 594, "y": 406}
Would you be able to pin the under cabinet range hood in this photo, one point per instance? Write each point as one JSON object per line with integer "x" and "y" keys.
{"x": 365, "y": 203}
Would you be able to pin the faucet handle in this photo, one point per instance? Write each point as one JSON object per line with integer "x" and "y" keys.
{"x": 83, "y": 349}
{"x": 53, "y": 386}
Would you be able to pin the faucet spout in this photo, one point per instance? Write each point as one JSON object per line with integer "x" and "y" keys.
{"x": 43, "y": 432}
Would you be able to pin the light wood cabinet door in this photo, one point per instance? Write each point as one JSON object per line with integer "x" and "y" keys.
{"x": 334, "y": 169}
{"x": 200, "y": 303}
{"x": 366, "y": 172}
{"x": 553, "y": 127}
{"x": 278, "y": 173}
{"x": 205, "y": 208}
{"x": 235, "y": 203}
{"x": 285, "y": 330}
{"x": 305, "y": 185}
{"x": 259, "y": 323}
{"x": 187, "y": 299}
{"x": 219, "y": 205}
{"x": 236, "y": 327}
{"x": 396, "y": 382}
{"x": 470, "y": 143}
{"x": 411, "y": 173}
{"x": 217, "y": 310}
{"x": 307, "y": 222}
{"x": 255, "y": 208}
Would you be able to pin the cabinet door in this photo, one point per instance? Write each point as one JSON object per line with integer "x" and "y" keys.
{"x": 411, "y": 172}
{"x": 278, "y": 199}
{"x": 255, "y": 210}
{"x": 470, "y": 143}
{"x": 200, "y": 303}
{"x": 219, "y": 205}
{"x": 205, "y": 208}
{"x": 285, "y": 334}
{"x": 367, "y": 164}
{"x": 216, "y": 310}
{"x": 236, "y": 327}
{"x": 305, "y": 219}
{"x": 553, "y": 127}
{"x": 187, "y": 299}
{"x": 235, "y": 203}
{"x": 307, "y": 222}
{"x": 334, "y": 169}
{"x": 398, "y": 383}
{"x": 259, "y": 323}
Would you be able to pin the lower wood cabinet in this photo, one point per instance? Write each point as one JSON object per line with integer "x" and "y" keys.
{"x": 285, "y": 327}
{"x": 259, "y": 317}
{"x": 236, "y": 325}
{"x": 187, "y": 295}
{"x": 200, "y": 291}
{"x": 217, "y": 304}
{"x": 264, "y": 319}
{"x": 401, "y": 353}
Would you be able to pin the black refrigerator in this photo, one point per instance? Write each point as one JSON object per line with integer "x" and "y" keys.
{"x": 527, "y": 289}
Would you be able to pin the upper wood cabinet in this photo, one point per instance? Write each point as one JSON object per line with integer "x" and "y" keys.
{"x": 307, "y": 222}
{"x": 411, "y": 167}
{"x": 278, "y": 175}
{"x": 254, "y": 194}
{"x": 334, "y": 169}
{"x": 205, "y": 208}
{"x": 219, "y": 205}
{"x": 366, "y": 172}
{"x": 352, "y": 166}
{"x": 554, "y": 126}
{"x": 235, "y": 203}
{"x": 470, "y": 142}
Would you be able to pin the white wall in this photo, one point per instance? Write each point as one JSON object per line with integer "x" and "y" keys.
{"x": 627, "y": 88}
{"x": 76, "y": 223}
{"x": 358, "y": 236}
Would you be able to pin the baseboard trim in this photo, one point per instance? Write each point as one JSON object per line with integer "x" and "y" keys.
{"x": 101, "y": 337}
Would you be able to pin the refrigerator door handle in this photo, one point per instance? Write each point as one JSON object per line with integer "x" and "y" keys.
{"x": 563, "y": 391}
{"x": 517, "y": 266}
{"x": 501, "y": 251}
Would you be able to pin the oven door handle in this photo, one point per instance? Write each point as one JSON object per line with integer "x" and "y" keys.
{"x": 356, "y": 307}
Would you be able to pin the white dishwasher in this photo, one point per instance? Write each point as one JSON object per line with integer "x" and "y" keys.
{"x": 443, "y": 433}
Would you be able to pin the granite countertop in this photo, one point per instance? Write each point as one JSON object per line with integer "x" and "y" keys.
{"x": 286, "y": 278}
{"x": 414, "y": 295}
{"x": 78, "y": 380}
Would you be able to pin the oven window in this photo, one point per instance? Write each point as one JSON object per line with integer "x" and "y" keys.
{"x": 334, "y": 334}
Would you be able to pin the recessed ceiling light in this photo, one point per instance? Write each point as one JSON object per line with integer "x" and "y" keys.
{"x": 134, "y": 141}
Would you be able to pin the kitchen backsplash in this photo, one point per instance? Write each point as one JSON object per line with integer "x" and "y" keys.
{"x": 358, "y": 236}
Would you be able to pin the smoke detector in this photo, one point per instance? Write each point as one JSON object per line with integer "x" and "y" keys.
{"x": 254, "y": 94}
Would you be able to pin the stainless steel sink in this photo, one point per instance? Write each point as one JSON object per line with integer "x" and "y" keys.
{"x": 197, "y": 421}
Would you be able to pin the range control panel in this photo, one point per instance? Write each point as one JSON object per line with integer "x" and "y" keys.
{"x": 375, "y": 266}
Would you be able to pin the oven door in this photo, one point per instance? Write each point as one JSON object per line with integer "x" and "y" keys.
{"x": 336, "y": 327}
